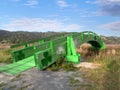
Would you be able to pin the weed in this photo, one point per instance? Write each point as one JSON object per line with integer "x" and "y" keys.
{"x": 73, "y": 81}
{"x": 69, "y": 67}
{"x": 24, "y": 87}
{"x": 62, "y": 64}
{"x": 14, "y": 79}
{"x": 20, "y": 75}
{"x": 3, "y": 84}
{"x": 5, "y": 56}
{"x": 12, "y": 87}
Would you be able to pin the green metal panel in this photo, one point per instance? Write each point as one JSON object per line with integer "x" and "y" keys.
{"x": 60, "y": 46}
{"x": 42, "y": 46}
{"x": 22, "y": 53}
{"x": 18, "y": 67}
{"x": 43, "y": 59}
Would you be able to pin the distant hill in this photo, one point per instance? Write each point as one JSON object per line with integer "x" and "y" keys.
{"x": 111, "y": 39}
{"x": 23, "y": 36}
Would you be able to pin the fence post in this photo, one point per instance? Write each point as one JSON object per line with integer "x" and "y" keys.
{"x": 25, "y": 45}
{"x": 51, "y": 47}
{"x": 68, "y": 45}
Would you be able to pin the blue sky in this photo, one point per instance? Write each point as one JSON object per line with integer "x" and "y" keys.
{"x": 100, "y": 16}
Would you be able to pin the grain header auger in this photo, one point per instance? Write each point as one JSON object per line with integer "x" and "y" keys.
{"x": 44, "y": 52}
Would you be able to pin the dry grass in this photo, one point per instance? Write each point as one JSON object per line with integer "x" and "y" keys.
{"x": 107, "y": 77}
{"x": 5, "y": 56}
{"x": 4, "y": 46}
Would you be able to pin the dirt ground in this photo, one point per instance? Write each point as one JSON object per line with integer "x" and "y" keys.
{"x": 4, "y": 46}
{"x": 34, "y": 79}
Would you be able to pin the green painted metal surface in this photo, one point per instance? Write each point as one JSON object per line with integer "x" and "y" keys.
{"x": 72, "y": 55}
{"x": 22, "y": 53}
{"x": 19, "y": 66}
{"x": 43, "y": 59}
{"x": 54, "y": 50}
{"x": 46, "y": 51}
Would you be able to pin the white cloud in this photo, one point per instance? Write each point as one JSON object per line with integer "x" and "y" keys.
{"x": 38, "y": 24}
{"x": 31, "y": 3}
{"x": 115, "y": 26}
{"x": 62, "y": 3}
{"x": 103, "y": 2}
{"x": 107, "y": 7}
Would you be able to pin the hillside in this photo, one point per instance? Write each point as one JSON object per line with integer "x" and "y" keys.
{"x": 111, "y": 40}
{"x": 23, "y": 36}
